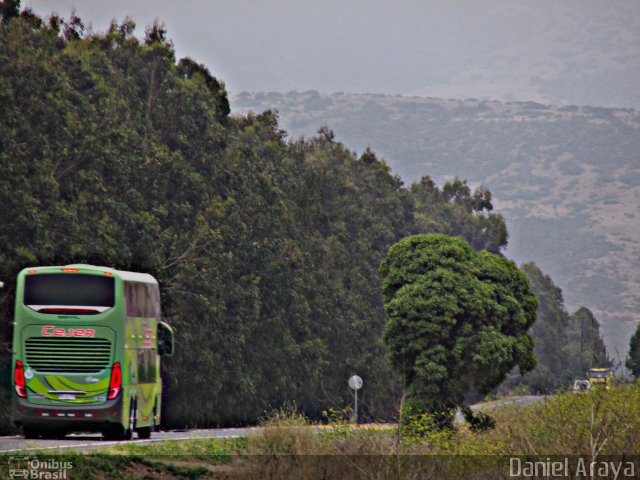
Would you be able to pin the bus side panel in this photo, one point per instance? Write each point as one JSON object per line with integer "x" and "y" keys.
{"x": 148, "y": 370}
{"x": 142, "y": 366}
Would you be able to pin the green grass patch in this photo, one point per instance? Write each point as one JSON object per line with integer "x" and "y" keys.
{"x": 211, "y": 450}
{"x": 206, "y": 458}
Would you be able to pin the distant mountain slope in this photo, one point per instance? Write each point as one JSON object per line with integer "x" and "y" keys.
{"x": 566, "y": 178}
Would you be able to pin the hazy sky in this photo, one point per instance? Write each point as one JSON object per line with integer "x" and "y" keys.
{"x": 554, "y": 51}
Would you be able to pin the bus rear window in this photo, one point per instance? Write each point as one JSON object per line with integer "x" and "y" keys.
{"x": 69, "y": 293}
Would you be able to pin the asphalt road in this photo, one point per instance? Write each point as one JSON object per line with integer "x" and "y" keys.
{"x": 86, "y": 442}
{"x": 522, "y": 400}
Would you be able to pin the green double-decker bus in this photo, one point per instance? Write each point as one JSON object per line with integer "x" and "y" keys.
{"x": 87, "y": 343}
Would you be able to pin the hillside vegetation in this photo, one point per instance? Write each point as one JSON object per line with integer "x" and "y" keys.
{"x": 566, "y": 345}
{"x": 567, "y": 179}
{"x": 116, "y": 153}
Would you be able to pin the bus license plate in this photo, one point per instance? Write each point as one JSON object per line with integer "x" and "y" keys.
{"x": 67, "y": 396}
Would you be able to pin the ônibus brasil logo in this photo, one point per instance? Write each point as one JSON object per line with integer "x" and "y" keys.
{"x": 32, "y": 468}
{"x": 53, "y": 331}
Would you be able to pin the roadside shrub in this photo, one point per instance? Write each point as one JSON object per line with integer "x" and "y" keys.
{"x": 478, "y": 421}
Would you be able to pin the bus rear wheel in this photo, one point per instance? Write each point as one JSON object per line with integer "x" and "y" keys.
{"x": 144, "y": 433}
{"x": 53, "y": 434}
{"x": 116, "y": 432}
{"x": 29, "y": 433}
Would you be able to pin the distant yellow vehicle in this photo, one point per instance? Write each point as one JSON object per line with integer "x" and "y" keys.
{"x": 600, "y": 377}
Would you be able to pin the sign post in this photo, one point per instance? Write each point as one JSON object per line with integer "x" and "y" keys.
{"x": 355, "y": 383}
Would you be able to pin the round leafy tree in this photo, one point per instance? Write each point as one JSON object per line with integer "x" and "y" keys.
{"x": 457, "y": 320}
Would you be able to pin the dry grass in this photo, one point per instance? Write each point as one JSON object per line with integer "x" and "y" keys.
{"x": 592, "y": 425}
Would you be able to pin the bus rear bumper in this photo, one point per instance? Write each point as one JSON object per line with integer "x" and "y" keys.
{"x": 68, "y": 417}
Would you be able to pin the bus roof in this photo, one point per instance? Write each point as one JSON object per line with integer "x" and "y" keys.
{"x": 136, "y": 277}
{"x": 124, "y": 275}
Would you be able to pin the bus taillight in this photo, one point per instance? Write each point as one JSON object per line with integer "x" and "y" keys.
{"x": 18, "y": 380}
{"x": 115, "y": 385}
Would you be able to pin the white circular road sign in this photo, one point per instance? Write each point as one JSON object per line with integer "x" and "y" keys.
{"x": 355, "y": 382}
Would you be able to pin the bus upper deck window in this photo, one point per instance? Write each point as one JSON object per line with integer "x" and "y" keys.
{"x": 75, "y": 294}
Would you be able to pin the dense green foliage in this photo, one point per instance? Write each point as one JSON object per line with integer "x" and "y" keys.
{"x": 633, "y": 360}
{"x": 566, "y": 346}
{"x": 457, "y": 320}
{"x": 114, "y": 153}
{"x": 558, "y": 173}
